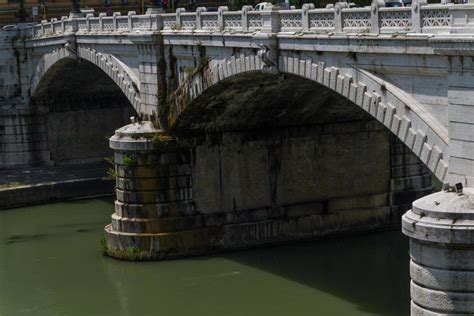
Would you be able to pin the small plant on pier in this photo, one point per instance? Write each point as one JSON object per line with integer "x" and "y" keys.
{"x": 129, "y": 161}
{"x": 111, "y": 172}
{"x": 103, "y": 244}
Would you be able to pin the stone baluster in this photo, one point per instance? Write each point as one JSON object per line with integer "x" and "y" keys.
{"x": 220, "y": 17}
{"x": 416, "y": 17}
{"x": 245, "y": 24}
{"x": 179, "y": 11}
{"x": 305, "y": 16}
{"x": 159, "y": 22}
{"x": 338, "y": 23}
{"x": 115, "y": 23}
{"x": 74, "y": 24}
{"x": 199, "y": 12}
{"x": 270, "y": 20}
{"x": 53, "y": 27}
{"x": 149, "y": 20}
{"x": 374, "y": 16}
{"x": 89, "y": 16}
{"x": 101, "y": 22}
{"x": 63, "y": 24}
{"x": 43, "y": 22}
{"x": 130, "y": 22}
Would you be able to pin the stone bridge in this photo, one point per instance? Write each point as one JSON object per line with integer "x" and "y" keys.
{"x": 410, "y": 68}
{"x": 406, "y": 75}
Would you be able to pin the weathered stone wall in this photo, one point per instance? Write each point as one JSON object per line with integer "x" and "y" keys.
{"x": 342, "y": 167}
{"x": 85, "y": 138}
{"x": 84, "y": 108}
{"x": 9, "y": 72}
{"x": 23, "y": 138}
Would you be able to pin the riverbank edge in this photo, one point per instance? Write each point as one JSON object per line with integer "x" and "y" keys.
{"x": 55, "y": 191}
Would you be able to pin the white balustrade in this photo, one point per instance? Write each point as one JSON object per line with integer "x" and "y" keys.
{"x": 188, "y": 20}
{"x": 435, "y": 18}
{"x": 356, "y": 20}
{"x": 290, "y": 20}
{"x": 429, "y": 19}
{"x": 321, "y": 20}
{"x": 169, "y": 21}
{"x": 209, "y": 21}
{"x": 254, "y": 20}
{"x": 395, "y": 20}
{"x": 122, "y": 23}
{"x": 233, "y": 20}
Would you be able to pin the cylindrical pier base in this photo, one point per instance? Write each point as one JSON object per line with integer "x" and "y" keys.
{"x": 154, "y": 196}
{"x": 441, "y": 231}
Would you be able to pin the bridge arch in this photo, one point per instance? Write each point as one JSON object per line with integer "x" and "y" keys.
{"x": 400, "y": 113}
{"x": 114, "y": 68}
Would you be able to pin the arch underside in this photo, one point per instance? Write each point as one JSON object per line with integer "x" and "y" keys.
{"x": 423, "y": 134}
{"x": 116, "y": 70}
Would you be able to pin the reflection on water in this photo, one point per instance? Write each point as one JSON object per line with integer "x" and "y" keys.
{"x": 50, "y": 265}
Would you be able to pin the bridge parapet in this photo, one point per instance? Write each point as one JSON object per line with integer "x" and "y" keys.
{"x": 424, "y": 19}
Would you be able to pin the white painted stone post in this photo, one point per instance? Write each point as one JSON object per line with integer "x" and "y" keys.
{"x": 53, "y": 27}
{"x": 305, "y": 16}
{"x": 338, "y": 23}
{"x": 178, "y": 17}
{"x": 115, "y": 15}
{"x": 374, "y": 16}
{"x": 130, "y": 22}
{"x": 416, "y": 18}
{"x": 441, "y": 231}
{"x": 63, "y": 26}
{"x": 220, "y": 17}
{"x": 101, "y": 22}
{"x": 270, "y": 20}
{"x": 43, "y": 22}
{"x": 245, "y": 23}
{"x": 89, "y": 16}
{"x": 199, "y": 12}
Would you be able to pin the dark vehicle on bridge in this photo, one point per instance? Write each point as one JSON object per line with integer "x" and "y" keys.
{"x": 398, "y": 3}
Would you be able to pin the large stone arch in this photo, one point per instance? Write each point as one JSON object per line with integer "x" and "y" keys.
{"x": 113, "y": 67}
{"x": 399, "y": 112}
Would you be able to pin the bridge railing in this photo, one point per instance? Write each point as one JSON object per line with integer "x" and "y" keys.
{"x": 356, "y": 20}
{"x": 430, "y": 19}
{"x": 395, "y": 20}
{"x": 435, "y": 18}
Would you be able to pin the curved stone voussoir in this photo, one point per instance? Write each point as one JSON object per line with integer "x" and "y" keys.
{"x": 102, "y": 61}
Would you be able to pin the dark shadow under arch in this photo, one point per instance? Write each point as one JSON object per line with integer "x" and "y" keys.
{"x": 256, "y": 100}
{"x": 82, "y": 107}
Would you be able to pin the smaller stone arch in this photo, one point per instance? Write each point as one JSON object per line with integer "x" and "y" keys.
{"x": 113, "y": 67}
{"x": 422, "y": 133}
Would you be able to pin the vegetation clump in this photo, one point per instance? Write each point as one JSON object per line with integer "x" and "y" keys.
{"x": 129, "y": 161}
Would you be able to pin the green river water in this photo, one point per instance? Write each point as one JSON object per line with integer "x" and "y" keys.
{"x": 50, "y": 264}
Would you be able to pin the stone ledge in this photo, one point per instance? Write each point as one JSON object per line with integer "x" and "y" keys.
{"x": 54, "y": 191}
